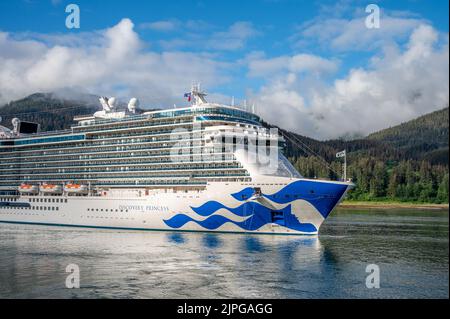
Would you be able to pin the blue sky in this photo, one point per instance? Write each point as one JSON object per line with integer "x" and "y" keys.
{"x": 306, "y": 59}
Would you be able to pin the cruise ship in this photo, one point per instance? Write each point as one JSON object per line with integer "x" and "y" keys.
{"x": 206, "y": 167}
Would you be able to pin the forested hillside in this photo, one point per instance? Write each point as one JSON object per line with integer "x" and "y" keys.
{"x": 48, "y": 109}
{"x": 408, "y": 162}
{"x": 423, "y": 138}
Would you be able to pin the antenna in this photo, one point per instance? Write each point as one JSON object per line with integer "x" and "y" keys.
{"x": 197, "y": 95}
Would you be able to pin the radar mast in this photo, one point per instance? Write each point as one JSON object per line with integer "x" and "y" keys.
{"x": 198, "y": 97}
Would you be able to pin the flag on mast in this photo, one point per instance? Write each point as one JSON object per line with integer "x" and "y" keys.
{"x": 188, "y": 95}
{"x": 340, "y": 154}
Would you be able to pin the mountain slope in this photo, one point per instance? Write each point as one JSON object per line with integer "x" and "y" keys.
{"x": 423, "y": 138}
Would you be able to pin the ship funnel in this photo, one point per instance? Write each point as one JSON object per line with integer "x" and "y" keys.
{"x": 134, "y": 102}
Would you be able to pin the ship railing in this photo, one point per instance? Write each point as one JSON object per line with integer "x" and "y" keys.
{"x": 134, "y": 178}
{"x": 95, "y": 142}
{"x": 235, "y": 167}
{"x": 113, "y": 162}
{"x": 126, "y": 155}
{"x": 46, "y": 133}
{"x": 173, "y": 116}
{"x": 118, "y": 160}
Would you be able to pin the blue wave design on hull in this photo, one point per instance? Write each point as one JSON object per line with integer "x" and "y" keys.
{"x": 322, "y": 195}
{"x": 260, "y": 216}
{"x": 211, "y": 207}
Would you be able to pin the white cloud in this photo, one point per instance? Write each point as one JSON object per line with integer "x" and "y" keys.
{"x": 234, "y": 38}
{"x": 199, "y": 35}
{"x": 343, "y": 34}
{"x": 398, "y": 86}
{"x": 298, "y": 63}
{"x": 403, "y": 82}
{"x": 112, "y": 61}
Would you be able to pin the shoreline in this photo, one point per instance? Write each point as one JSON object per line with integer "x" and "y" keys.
{"x": 355, "y": 204}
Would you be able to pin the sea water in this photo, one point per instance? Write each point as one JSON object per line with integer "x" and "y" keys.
{"x": 408, "y": 248}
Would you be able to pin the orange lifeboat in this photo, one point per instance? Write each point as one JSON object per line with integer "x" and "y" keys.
{"x": 76, "y": 188}
{"x": 28, "y": 189}
{"x": 51, "y": 189}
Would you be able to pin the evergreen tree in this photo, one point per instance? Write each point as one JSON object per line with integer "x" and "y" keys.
{"x": 442, "y": 193}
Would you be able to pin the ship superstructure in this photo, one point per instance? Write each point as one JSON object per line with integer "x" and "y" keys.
{"x": 205, "y": 167}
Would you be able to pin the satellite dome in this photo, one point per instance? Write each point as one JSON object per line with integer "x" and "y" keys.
{"x": 104, "y": 102}
{"x": 133, "y": 101}
{"x": 112, "y": 102}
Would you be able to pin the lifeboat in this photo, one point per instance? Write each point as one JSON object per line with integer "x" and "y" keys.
{"x": 28, "y": 189}
{"x": 76, "y": 188}
{"x": 51, "y": 189}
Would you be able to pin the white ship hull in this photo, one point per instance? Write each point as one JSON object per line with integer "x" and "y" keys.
{"x": 285, "y": 206}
